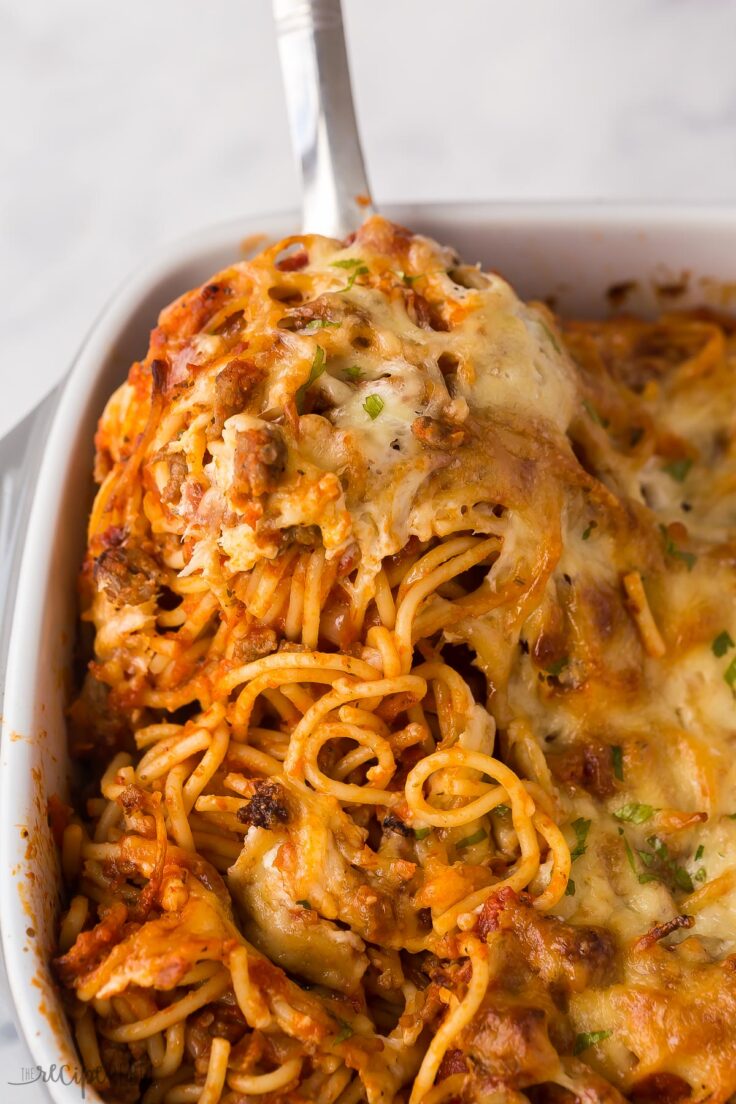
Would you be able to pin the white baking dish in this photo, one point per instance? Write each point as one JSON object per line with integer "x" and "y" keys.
{"x": 571, "y": 252}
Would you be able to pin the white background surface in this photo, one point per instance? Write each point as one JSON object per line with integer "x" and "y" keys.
{"x": 125, "y": 126}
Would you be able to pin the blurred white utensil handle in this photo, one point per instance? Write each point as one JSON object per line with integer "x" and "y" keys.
{"x": 21, "y": 451}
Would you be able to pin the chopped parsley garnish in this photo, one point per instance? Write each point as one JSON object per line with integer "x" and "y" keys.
{"x": 591, "y": 526}
{"x": 660, "y": 866}
{"x": 699, "y": 853}
{"x": 468, "y": 841}
{"x": 730, "y": 674}
{"x": 594, "y": 415}
{"x": 373, "y": 406}
{"x": 617, "y": 758}
{"x": 409, "y": 280}
{"x": 363, "y": 271}
{"x": 354, "y": 372}
{"x": 319, "y": 324}
{"x": 580, "y": 827}
{"x": 700, "y": 874}
{"x": 683, "y": 879}
{"x": 357, "y": 268}
{"x": 318, "y": 367}
{"x": 588, "y": 1039}
{"x": 688, "y": 558}
{"x": 304, "y": 904}
{"x": 629, "y": 852}
{"x": 634, "y": 813}
{"x": 553, "y": 340}
{"x": 678, "y": 469}
{"x": 502, "y": 810}
{"x": 570, "y": 888}
{"x": 721, "y": 644}
{"x": 421, "y": 833}
{"x": 345, "y": 1032}
{"x": 557, "y": 667}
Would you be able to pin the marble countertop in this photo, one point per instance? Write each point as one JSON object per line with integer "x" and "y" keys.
{"x": 126, "y": 127}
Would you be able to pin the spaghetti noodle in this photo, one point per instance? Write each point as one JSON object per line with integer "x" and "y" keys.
{"x": 411, "y": 697}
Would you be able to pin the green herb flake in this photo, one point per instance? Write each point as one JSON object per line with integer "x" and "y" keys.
{"x": 373, "y": 406}
{"x": 588, "y": 1039}
{"x": 671, "y": 549}
{"x": 688, "y": 558}
{"x": 551, "y": 337}
{"x": 319, "y": 324}
{"x": 629, "y": 852}
{"x": 468, "y": 841}
{"x": 304, "y": 904}
{"x": 699, "y": 853}
{"x": 580, "y": 827}
{"x": 683, "y": 879}
{"x": 617, "y": 759}
{"x": 318, "y": 367}
{"x": 502, "y": 810}
{"x": 721, "y": 644}
{"x": 634, "y": 813}
{"x": 421, "y": 833}
{"x": 354, "y": 372}
{"x": 593, "y": 414}
{"x": 678, "y": 469}
{"x": 557, "y": 667}
{"x": 661, "y": 867}
{"x": 570, "y": 888}
{"x": 345, "y": 1032}
{"x": 591, "y": 526}
{"x": 361, "y": 270}
{"x": 410, "y": 280}
{"x": 350, "y": 262}
{"x": 700, "y": 874}
{"x": 658, "y": 846}
{"x": 730, "y": 674}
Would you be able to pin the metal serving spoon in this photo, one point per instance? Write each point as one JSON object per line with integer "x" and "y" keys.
{"x": 324, "y": 133}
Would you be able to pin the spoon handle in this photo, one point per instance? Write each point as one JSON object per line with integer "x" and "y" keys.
{"x": 324, "y": 133}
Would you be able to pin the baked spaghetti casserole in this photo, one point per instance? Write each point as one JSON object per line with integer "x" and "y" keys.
{"x": 410, "y": 713}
